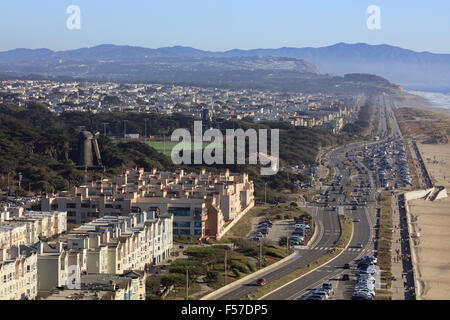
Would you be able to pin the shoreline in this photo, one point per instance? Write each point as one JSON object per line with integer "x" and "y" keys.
{"x": 425, "y": 103}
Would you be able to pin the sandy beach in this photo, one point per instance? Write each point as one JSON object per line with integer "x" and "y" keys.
{"x": 433, "y": 220}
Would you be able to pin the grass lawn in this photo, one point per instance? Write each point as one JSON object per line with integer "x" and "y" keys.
{"x": 179, "y": 293}
{"x": 242, "y": 228}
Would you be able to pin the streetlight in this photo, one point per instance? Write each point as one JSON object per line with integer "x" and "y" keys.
{"x": 225, "y": 264}
{"x": 265, "y": 192}
{"x": 187, "y": 284}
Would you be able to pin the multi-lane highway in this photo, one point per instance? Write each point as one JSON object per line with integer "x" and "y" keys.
{"x": 328, "y": 231}
{"x": 363, "y": 234}
{"x": 364, "y": 215}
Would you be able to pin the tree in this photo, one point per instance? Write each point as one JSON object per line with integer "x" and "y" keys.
{"x": 206, "y": 255}
{"x": 195, "y": 268}
{"x": 173, "y": 279}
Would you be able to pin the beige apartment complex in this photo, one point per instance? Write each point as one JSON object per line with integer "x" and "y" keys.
{"x": 106, "y": 246}
{"x": 18, "y": 274}
{"x": 38, "y": 258}
{"x": 19, "y": 231}
{"x": 202, "y": 204}
{"x": 19, "y": 227}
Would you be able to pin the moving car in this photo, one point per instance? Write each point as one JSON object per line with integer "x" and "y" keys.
{"x": 261, "y": 282}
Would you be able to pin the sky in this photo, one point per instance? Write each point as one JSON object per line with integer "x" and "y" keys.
{"x": 224, "y": 25}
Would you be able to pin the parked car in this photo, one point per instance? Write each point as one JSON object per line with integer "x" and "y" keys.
{"x": 328, "y": 288}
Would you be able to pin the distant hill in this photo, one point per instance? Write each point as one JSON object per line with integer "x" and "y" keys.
{"x": 402, "y": 66}
{"x": 183, "y": 65}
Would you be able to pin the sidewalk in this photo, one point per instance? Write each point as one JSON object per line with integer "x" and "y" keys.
{"x": 403, "y": 285}
{"x": 398, "y": 289}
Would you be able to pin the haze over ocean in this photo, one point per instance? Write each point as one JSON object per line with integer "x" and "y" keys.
{"x": 438, "y": 99}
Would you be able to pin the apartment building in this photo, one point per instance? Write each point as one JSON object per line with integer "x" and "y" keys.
{"x": 18, "y": 273}
{"x": 19, "y": 227}
{"x": 53, "y": 264}
{"x": 118, "y": 244}
{"x": 129, "y": 286}
{"x": 202, "y": 204}
{"x": 106, "y": 246}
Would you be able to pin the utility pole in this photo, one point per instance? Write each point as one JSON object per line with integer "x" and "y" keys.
{"x": 260, "y": 253}
{"x": 187, "y": 284}
{"x": 265, "y": 193}
{"x": 287, "y": 239}
{"x": 225, "y": 274}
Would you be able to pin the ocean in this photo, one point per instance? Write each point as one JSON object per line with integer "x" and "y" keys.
{"x": 438, "y": 99}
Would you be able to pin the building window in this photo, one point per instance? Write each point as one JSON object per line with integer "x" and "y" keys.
{"x": 71, "y": 205}
{"x": 180, "y": 212}
{"x": 185, "y": 232}
{"x": 185, "y": 224}
{"x": 198, "y": 224}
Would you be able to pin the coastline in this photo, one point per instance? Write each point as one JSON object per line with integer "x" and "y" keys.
{"x": 421, "y": 99}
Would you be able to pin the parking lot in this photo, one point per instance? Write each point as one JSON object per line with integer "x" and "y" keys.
{"x": 274, "y": 231}
{"x": 389, "y": 163}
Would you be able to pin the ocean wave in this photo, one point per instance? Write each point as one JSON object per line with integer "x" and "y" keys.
{"x": 439, "y": 100}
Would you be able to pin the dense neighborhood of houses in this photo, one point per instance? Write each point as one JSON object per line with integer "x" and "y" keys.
{"x": 299, "y": 109}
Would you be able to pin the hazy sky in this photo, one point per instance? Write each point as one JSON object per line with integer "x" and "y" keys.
{"x": 223, "y": 25}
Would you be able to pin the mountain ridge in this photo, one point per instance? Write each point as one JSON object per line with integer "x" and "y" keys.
{"x": 399, "y": 65}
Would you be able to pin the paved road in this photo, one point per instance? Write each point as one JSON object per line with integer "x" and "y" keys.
{"x": 328, "y": 234}
{"x": 363, "y": 233}
{"x": 328, "y": 226}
